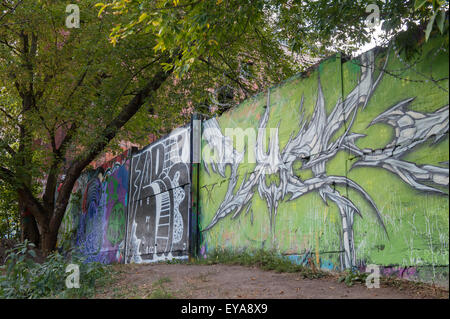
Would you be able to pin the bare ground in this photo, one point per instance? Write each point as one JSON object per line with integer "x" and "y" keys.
{"x": 228, "y": 281}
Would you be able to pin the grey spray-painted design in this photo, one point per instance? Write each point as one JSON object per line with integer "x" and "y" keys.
{"x": 411, "y": 129}
{"x": 159, "y": 200}
{"x": 312, "y": 145}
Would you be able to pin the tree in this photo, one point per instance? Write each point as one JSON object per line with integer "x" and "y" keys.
{"x": 67, "y": 95}
{"x": 260, "y": 33}
{"x": 311, "y": 28}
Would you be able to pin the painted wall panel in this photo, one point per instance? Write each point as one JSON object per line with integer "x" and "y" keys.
{"x": 95, "y": 220}
{"x": 158, "y": 222}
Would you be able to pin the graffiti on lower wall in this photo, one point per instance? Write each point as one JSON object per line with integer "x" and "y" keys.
{"x": 368, "y": 144}
{"x": 95, "y": 220}
{"x": 158, "y": 221}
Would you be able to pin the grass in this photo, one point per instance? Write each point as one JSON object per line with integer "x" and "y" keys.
{"x": 263, "y": 259}
{"x": 159, "y": 291}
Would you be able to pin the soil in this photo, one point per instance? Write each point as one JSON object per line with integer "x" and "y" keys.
{"x": 229, "y": 281}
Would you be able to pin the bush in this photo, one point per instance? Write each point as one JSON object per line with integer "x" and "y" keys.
{"x": 23, "y": 278}
{"x": 350, "y": 277}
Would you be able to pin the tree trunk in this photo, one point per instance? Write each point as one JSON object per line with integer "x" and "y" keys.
{"x": 28, "y": 225}
{"x": 48, "y": 242}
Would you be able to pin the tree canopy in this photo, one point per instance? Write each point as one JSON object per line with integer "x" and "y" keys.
{"x": 309, "y": 28}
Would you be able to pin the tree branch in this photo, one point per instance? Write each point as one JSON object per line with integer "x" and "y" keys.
{"x": 11, "y": 9}
{"x": 110, "y": 131}
{"x": 226, "y": 74}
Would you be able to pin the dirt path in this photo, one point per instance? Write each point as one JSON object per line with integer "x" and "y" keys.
{"x": 226, "y": 281}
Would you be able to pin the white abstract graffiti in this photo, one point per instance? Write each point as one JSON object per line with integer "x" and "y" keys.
{"x": 313, "y": 146}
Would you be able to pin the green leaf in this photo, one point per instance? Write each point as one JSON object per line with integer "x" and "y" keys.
{"x": 430, "y": 26}
{"x": 441, "y": 20}
{"x": 101, "y": 9}
{"x": 142, "y": 17}
{"x": 419, "y": 3}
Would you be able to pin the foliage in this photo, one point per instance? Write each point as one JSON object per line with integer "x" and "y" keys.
{"x": 226, "y": 52}
{"x": 24, "y": 278}
{"x": 262, "y": 36}
{"x": 350, "y": 277}
{"x": 193, "y": 28}
{"x": 9, "y": 219}
{"x": 66, "y": 95}
{"x": 436, "y": 13}
{"x": 308, "y": 28}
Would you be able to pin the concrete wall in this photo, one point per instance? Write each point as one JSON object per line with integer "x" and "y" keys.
{"x": 344, "y": 166}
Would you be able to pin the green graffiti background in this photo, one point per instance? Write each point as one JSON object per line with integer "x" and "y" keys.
{"x": 417, "y": 223}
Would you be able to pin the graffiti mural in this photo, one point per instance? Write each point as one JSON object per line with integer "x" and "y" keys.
{"x": 95, "y": 220}
{"x": 343, "y": 166}
{"x": 158, "y": 221}
{"x": 323, "y": 153}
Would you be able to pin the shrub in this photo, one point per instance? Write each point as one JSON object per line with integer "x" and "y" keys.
{"x": 23, "y": 278}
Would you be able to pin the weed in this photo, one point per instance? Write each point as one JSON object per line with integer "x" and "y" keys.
{"x": 350, "y": 277}
{"x": 176, "y": 261}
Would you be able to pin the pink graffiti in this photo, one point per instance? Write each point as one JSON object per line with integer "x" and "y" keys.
{"x": 402, "y": 272}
